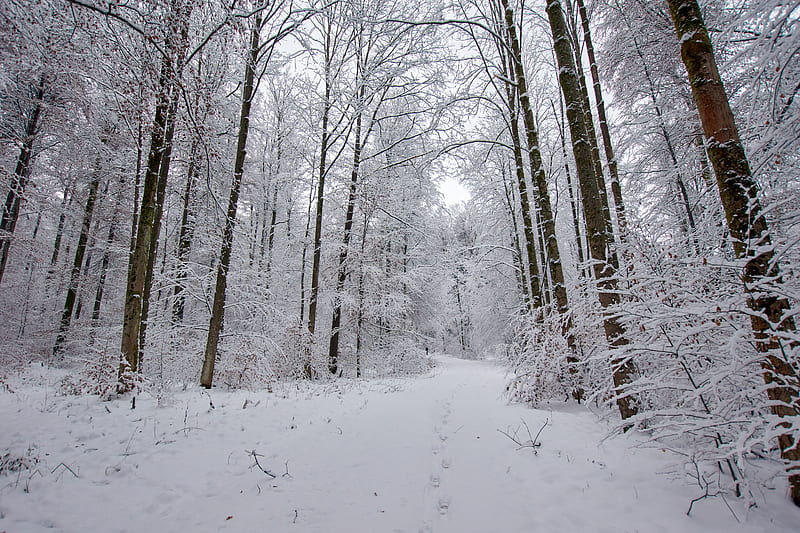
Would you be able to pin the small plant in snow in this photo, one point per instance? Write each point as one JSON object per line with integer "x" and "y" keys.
{"x": 12, "y": 462}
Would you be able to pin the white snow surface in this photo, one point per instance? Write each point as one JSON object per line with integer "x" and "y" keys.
{"x": 422, "y": 454}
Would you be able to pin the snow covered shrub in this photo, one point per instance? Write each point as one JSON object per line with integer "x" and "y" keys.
{"x": 98, "y": 376}
{"x": 700, "y": 388}
{"x": 406, "y": 359}
{"x": 11, "y": 462}
{"x": 245, "y": 362}
{"x": 538, "y": 356}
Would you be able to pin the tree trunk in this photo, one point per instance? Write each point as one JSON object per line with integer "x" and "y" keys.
{"x": 341, "y": 271}
{"x": 72, "y": 288}
{"x": 19, "y": 180}
{"x": 323, "y": 170}
{"x": 218, "y": 307}
{"x": 146, "y": 240}
{"x": 616, "y": 190}
{"x": 137, "y": 271}
{"x": 539, "y": 180}
{"x": 66, "y": 203}
{"x": 748, "y": 228}
{"x": 597, "y": 223}
{"x": 161, "y": 193}
{"x": 184, "y": 239}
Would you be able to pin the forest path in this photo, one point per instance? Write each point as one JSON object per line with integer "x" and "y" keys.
{"x": 422, "y": 454}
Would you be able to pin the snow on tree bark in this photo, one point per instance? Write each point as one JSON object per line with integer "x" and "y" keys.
{"x": 748, "y": 228}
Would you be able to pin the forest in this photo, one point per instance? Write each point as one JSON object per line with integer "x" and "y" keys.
{"x": 240, "y": 194}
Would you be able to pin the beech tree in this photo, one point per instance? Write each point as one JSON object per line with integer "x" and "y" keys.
{"x": 748, "y": 227}
{"x": 596, "y": 214}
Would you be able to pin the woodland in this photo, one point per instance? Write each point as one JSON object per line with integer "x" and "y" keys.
{"x": 243, "y": 193}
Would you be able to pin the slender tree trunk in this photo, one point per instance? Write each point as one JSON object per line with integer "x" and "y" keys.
{"x": 341, "y": 271}
{"x": 323, "y": 170}
{"x": 19, "y": 180}
{"x": 361, "y": 291}
{"x": 616, "y": 190}
{"x": 184, "y": 239}
{"x": 511, "y": 201}
{"x": 137, "y": 271}
{"x": 142, "y": 259}
{"x": 539, "y": 180}
{"x": 74, "y": 279}
{"x": 572, "y": 35}
{"x": 576, "y": 224}
{"x": 534, "y": 288}
{"x": 66, "y": 202}
{"x": 218, "y": 307}
{"x": 595, "y": 214}
{"x": 748, "y": 227}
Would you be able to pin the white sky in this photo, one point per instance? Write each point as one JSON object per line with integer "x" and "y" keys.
{"x": 453, "y": 191}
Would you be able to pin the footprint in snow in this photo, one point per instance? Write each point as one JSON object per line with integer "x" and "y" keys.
{"x": 444, "y": 506}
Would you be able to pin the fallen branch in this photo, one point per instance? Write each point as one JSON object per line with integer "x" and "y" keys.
{"x": 255, "y": 457}
{"x": 53, "y": 471}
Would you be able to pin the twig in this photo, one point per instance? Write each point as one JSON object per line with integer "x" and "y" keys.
{"x": 255, "y": 458}
{"x": 532, "y": 442}
{"x": 53, "y": 471}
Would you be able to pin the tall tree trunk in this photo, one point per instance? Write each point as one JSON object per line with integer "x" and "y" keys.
{"x": 66, "y": 203}
{"x": 218, "y": 307}
{"x": 511, "y": 201}
{"x": 572, "y": 35}
{"x": 616, "y": 190}
{"x": 573, "y": 205}
{"x": 361, "y": 294}
{"x": 142, "y": 260}
{"x": 323, "y": 170}
{"x": 161, "y": 194}
{"x": 137, "y": 271}
{"x": 595, "y": 215}
{"x": 539, "y": 179}
{"x": 19, "y": 180}
{"x": 341, "y": 271}
{"x": 184, "y": 238}
{"x": 74, "y": 279}
{"x": 748, "y": 227}
{"x": 534, "y": 287}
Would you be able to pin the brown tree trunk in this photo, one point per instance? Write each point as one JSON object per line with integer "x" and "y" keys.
{"x": 341, "y": 271}
{"x": 323, "y": 170}
{"x": 80, "y": 250}
{"x": 595, "y": 214}
{"x": 218, "y": 307}
{"x": 613, "y": 171}
{"x": 748, "y": 228}
{"x": 539, "y": 180}
{"x": 19, "y": 180}
{"x": 184, "y": 239}
{"x": 137, "y": 271}
{"x": 146, "y": 238}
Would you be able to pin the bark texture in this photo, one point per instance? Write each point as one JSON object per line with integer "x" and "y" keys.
{"x": 19, "y": 180}
{"x": 595, "y": 213}
{"x": 748, "y": 228}
{"x": 80, "y": 250}
{"x": 218, "y": 307}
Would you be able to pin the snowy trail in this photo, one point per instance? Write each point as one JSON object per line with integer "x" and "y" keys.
{"x": 412, "y": 455}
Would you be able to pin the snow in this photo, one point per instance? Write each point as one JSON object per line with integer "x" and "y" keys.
{"x": 422, "y": 454}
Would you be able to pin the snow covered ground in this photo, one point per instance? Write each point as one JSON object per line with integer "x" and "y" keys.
{"x": 416, "y": 455}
